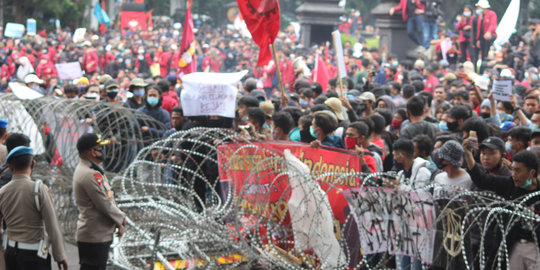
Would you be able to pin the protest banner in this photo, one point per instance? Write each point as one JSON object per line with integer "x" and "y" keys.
{"x": 23, "y": 92}
{"x": 31, "y": 27}
{"x": 20, "y": 121}
{"x": 78, "y": 35}
{"x": 394, "y": 221}
{"x": 69, "y": 71}
{"x": 14, "y": 30}
{"x": 255, "y": 178}
{"x": 502, "y": 90}
{"x": 210, "y": 93}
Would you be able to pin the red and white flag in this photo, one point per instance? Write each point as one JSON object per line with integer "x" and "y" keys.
{"x": 321, "y": 74}
{"x": 263, "y": 20}
{"x": 187, "y": 63}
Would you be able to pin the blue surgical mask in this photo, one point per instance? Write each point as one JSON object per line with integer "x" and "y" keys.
{"x": 303, "y": 102}
{"x": 443, "y": 126}
{"x": 395, "y": 63}
{"x": 152, "y": 101}
{"x": 479, "y": 11}
{"x": 467, "y": 14}
{"x": 138, "y": 92}
{"x": 312, "y": 132}
{"x": 36, "y": 87}
{"x": 533, "y": 127}
{"x": 508, "y": 148}
{"x": 526, "y": 184}
{"x": 535, "y": 77}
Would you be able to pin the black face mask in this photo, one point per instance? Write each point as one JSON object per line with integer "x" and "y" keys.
{"x": 452, "y": 126}
{"x": 112, "y": 94}
{"x": 102, "y": 157}
{"x": 485, "y": 115}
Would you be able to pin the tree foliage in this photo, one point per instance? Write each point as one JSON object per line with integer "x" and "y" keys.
{"x": 69, "y": 12}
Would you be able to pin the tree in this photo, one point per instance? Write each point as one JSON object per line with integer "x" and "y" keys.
{"x": 69, "y": 12}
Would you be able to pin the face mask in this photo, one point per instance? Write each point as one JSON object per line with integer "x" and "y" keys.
{"x": 398, "y": 166}
{"x": 485, "y": 115}
{"x": 452, "y": 126}
{"x": 350, "y": 143}
{"x": 303, "y": 102}
{"x": 152, "y": 101}
{"x": 82, "y": 89}
{"x": 467, "y": 14}
{"x": 478, "y": 11}
{"x": 526, "y": 75}
{"x": 508, "y": 148}
{"x": 244, "y": 119}
{"x": 312, "y": 132}
{"x": 112, "y": 94}
{"x": 396, "y": 124}
{"x": 442, "y": 126}
{"x": 139, "y": 92}
{"x": 92, "y": 96}
{"x": 534, "y": 77}
{"x": 533, "y": 127}
{"x": 36, "y": 87}
{"x": 395, "y": 63}
{"x": 102, "y": 157}
{"x": 140, "y": 57}
{"x": 527, "y": 183}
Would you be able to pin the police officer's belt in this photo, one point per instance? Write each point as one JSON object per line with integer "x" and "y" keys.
{"x": 25, "y": 246}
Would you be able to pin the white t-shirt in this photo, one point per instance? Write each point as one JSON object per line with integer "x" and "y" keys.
{"x": 463, "y": 182}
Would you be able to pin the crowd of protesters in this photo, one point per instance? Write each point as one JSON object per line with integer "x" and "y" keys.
{"x": 432, "y": 119}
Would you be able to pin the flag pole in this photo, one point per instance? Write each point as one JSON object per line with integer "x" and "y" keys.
{"x": 272, "y": 47}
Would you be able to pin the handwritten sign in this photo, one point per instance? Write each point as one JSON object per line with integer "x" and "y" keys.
{"x": 69, "y": 71}
{"x": 397, "y": 222}
{"x": 210, "y": 93}
{"x": 502, "y": 90}
{"x": 14, "y": 30}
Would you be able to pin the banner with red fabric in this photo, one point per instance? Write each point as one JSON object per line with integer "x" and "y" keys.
{"x": 187, "y": 63}
{"x": 263, "y": 20}
{"x": 260, "y": 187}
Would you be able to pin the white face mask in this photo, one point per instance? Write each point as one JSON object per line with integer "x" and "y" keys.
{"x": 92, "y": 96}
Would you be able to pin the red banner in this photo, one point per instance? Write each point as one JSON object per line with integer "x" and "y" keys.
{"x": 255, "y": 175}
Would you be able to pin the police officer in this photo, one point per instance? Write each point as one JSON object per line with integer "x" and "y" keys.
{"x": 98, "y": 213}
{"x": 26, "y": 207}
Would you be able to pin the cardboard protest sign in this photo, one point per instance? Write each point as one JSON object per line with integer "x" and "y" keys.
{"x": 502, "y": 90}
{"x": 394, "y": 221}
{"x": 210, "y": 93}
{"x": 78, "y": 35}
{"x": 69, "y": 71}
{"x": 31, "y": 27}
{"x": 14, "y": 30}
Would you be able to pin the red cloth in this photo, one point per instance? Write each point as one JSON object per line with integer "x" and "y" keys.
{"x": 462, "y": 23}
{"x": 431, "y": 82}
{"x": 214, "y": 64}
{"x": 321, "y": 74}
{"x": 164, "y": 63}
{"x": 104, "y": 60}
{"x": 370, "y": 162}
{"x": 262, "y": 18}
{"x": 380, "y": 143}
{"x": 46, "y": 71}
{"x": 168, "y": 103}
{"x": 186, "y": 63}
{"x": 490, "y": 24}
{"x": 403, "y": 7}
{"x": 90, "y": 61}
{"x": 287, "y": 74}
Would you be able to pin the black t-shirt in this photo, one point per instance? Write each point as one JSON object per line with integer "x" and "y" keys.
{"x": 411, "y": 7}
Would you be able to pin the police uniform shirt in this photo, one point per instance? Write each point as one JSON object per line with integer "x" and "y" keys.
{"x": 3, "y": 153}
{"x": 98, "y": 213}
{"x": 24, "y": 222}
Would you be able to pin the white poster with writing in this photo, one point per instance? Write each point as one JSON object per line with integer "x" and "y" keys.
{"x": 69, "y": 71}
{"x": 210, "y": 93}
{"x": 393, "y": 221}
{"x": 502, "y": 90}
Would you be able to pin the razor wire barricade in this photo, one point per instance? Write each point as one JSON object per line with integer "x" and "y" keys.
{"x": 207, "y": 198}
{"x": 218, "y": 200}
{"x": 54, "y": 126}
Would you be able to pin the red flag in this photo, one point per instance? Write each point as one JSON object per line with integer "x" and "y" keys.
{"x": 262, "y": 18}
{"x": 187, "y": 63}
{"x": 149, "y": 16}
{"x": 321, "y": 74}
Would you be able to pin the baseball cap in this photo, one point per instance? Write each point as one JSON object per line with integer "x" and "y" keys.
{"x": 104, "y": 78}
{"x": 367, "y": 96}
{"x": 138, "y": 82}
{"x": 268, "y": 108}
{"x": 335, "y": 105}
{"x": 449, "y": 77}
{"x": 32, "y": 78}
{"x": 3, "y": 123}
{"x": 111, "y": 84}
{"x": 89, "y": 140}
{"x": 494, "y": 143}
